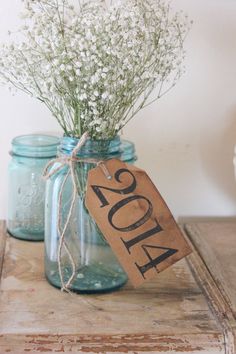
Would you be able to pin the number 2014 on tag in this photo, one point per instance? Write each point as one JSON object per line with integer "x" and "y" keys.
{"x": 134, "y": 219}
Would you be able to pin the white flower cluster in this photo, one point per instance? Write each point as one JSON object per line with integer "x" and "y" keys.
{"x": 95, "y": 65}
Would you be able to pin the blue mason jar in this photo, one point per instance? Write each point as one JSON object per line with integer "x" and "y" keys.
{"x": 96, "y": 268}
{"x": 26, "y": 195}
{"x": 128, "y": 153}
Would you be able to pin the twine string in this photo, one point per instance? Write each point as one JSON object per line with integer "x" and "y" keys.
{"x": 69, "y": 161}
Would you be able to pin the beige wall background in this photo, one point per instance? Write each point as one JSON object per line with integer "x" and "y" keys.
{"x": 186, "y": 140}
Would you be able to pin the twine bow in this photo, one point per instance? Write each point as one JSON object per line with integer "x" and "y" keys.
{"x": 69, "y": 161}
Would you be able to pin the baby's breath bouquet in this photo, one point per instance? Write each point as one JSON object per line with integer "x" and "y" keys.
{"x": 94, "y": 64}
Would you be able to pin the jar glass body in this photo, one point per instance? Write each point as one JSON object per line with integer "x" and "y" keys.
{"x": 26, "y": 188}
{"x": 97, "y": 268}
{"x": 128, "y": 153}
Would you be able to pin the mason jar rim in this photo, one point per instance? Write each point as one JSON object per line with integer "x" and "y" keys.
{"x": 20, "y": 140}
{"x": 35, "y": 145}
{"x": 91, "y": 147}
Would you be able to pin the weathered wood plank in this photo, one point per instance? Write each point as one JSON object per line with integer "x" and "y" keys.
{"x": 120, "y": 344}
{"x": 216, "y": 243}
{"x": 169, "y": 314}
{"x": 214, "y": 265}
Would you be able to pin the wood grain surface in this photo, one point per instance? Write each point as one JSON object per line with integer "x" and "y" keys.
{"x": 216, "y": 242}
{"x": 169, "y": 314}
{"x": 214, "y": 265}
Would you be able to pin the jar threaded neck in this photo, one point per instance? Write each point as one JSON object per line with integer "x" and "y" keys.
{"x": 35, "y": 146}
{"x": 105, "y": 149}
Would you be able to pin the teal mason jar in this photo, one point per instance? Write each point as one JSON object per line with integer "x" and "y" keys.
{"x": 128, "y": 153}
{"x": 26, "y": 192}
{"x": 96, "y": 268}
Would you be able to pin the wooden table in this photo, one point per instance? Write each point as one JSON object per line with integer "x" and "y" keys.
{"x": 189, "y": 308}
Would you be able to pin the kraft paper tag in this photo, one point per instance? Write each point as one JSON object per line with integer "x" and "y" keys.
{"x": 134, "y": 219}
